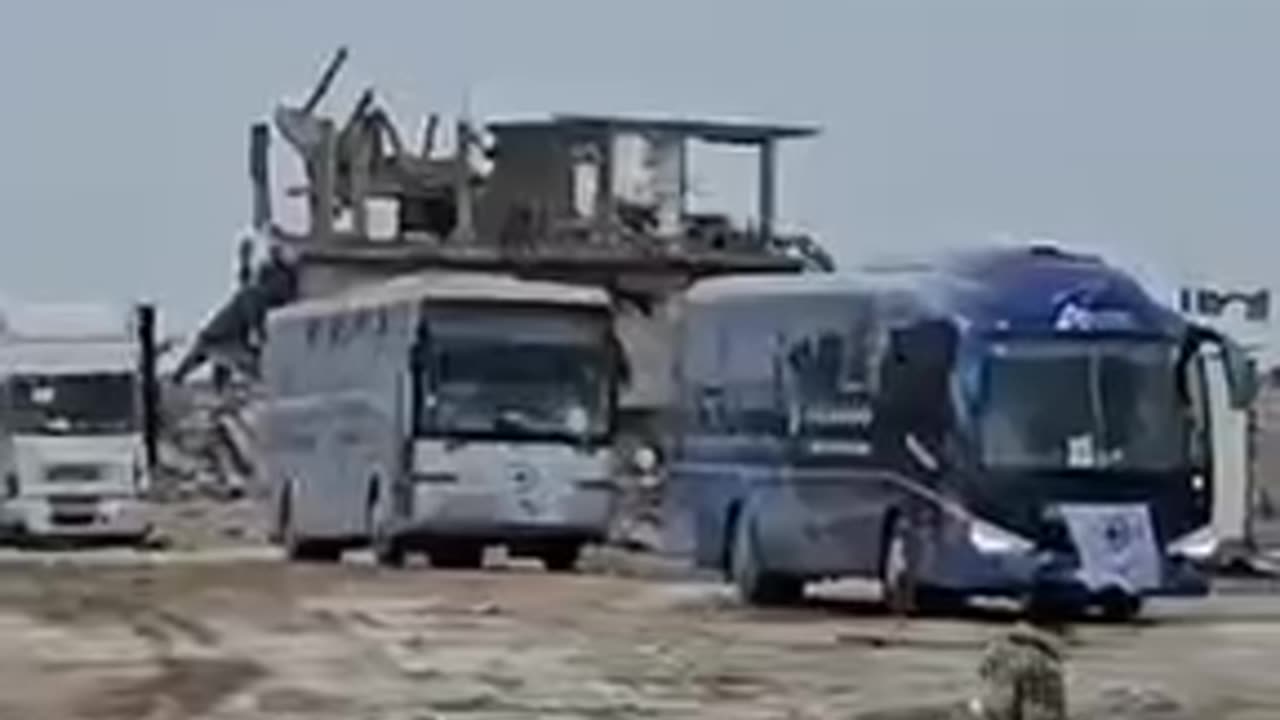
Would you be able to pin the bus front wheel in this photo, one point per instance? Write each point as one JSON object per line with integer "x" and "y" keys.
{"x": 388, "y": 550}
{"x": 1120, "y": 606}
{"x": 755, "y": 585}
{"x": 897, "y": 577}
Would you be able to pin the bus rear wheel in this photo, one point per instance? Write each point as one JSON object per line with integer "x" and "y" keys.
{"x": 314, "y": 551}
{"x": 755, "y": 585}
{"x": 388, "y": 551}
{"x": 457, "y": 555}
{"x": 561, "y": 557}
{"x": 299, "y": 549}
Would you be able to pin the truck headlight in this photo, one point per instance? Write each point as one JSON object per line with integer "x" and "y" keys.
{"x": 645, "y": 460}
{"x": 992, "y": 540}
{"x": 1198, "y": 545}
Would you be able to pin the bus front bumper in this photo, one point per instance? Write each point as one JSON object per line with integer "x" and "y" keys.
{"x": 583, "y": 513}
{"x": 962, "y": 568}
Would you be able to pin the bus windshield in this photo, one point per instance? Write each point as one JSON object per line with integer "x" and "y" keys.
{"x": 1084, "y": 405}
{"x": 81, "y": 404}
{"x": 516, "y": 389}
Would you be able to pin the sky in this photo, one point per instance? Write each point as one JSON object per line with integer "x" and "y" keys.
{"x": 1149, "y": 131}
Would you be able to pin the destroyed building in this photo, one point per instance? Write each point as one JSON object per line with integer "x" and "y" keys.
{"x": 552, "y": 199}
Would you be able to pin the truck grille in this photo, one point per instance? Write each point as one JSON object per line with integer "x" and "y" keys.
{"x": 73, "y": 472}
{"x": 73, "y": 509}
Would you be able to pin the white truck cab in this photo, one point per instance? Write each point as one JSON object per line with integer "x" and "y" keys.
{"x": 73, "y": 461}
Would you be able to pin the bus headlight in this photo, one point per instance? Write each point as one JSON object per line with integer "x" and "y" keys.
{"x": 1198, "y": 545}
{"x": 991, "y": 540}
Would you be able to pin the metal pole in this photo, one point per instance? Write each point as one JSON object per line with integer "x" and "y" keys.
{"x": 767, "y": 188}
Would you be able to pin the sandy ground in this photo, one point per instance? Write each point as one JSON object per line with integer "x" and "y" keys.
{"x": 235, "y": 633}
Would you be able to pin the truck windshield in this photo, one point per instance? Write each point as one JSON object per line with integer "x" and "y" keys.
{"x": 1094, "y": 405}
{"x": 507, "y": 389}
{"x": 93, "y": 404}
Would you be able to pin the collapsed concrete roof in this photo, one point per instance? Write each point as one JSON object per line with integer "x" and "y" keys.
{"x": 538, "y": 199}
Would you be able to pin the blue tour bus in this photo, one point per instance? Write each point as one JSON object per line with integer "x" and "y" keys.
{"x": 1018, "y": 422}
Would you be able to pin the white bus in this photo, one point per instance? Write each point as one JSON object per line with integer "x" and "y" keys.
{"x": 72, "y": 442}
{"x": 441, "y": 413}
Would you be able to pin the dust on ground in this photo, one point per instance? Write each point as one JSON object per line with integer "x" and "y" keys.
{"x": 187, "y": 635}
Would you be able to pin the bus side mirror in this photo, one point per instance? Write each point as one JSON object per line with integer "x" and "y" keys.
{"x": 1242, "y": 375}
{"x": 621, "y": 363}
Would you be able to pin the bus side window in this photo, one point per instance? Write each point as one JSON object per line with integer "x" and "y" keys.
{"x": 858, "y": 367}
{"x": 914, "y": 389}
{"x": 335, "y": 329}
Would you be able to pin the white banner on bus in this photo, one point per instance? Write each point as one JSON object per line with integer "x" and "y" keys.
{"x": 1116, "y": 544}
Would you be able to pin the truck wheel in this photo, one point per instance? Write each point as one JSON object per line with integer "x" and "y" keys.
{"x": 755, "y": 585}
{"x": 561, "y": 557}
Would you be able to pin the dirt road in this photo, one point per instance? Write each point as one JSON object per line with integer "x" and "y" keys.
{"x": 240, "y": 635}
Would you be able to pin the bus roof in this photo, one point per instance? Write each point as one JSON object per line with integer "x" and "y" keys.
{"x": 448, "y": 287}
{"x": 1003, "y": 289}
{"x": 738, "y": 287}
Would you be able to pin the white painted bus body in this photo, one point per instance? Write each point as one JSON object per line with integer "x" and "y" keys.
{"x": 71, "y": 444}
{"x": 352, "y": 460}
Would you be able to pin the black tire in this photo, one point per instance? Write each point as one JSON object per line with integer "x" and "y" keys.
{"x": 388, "y": 552}
{"x": 301, "y": 549}
{"x": 315, "y": 551}
{"x": 755, "y": 585}
{"x": 1041, "y": 608}
{"x": 561, "y": 557}
{"x": 939, "y": 601}
{"x": 898, "y": 591}
{"x": 1120, "y": 607}
{"x": 279, "y": 533}
{"x": 457, "y": 556}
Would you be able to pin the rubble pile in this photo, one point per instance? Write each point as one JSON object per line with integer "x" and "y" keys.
{"x": 207, "y": 444}
{"x": 205, "y": 489}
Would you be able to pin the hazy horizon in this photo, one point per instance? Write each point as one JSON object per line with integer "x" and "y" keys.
{"x": 1145, "y": 130}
